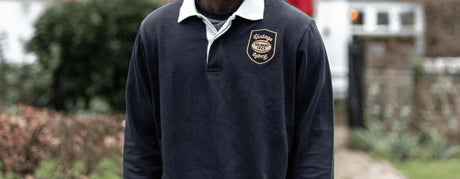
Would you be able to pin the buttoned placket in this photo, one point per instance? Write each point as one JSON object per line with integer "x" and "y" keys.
{"x": 212, "y": 34}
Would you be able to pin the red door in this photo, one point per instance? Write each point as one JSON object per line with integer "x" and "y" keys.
{"x": 304, "y": 5}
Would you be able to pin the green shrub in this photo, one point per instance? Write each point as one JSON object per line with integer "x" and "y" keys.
{"x": 106, "y": 168}
{"x": 401, "y": 144}
{"x": 438, "y": 147}
{"x": 26, "y": 84}
{"x": 385, "y": 144}
{"x": 85, "y": 47}
{"x": 370, "y": 139}
{"x": 10, "y": 175}
{"x": 50, "y": 170}
{"x": 360, "y": 139}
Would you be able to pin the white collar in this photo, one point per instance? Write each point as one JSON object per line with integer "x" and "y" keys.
{"x": 249, "y": 9}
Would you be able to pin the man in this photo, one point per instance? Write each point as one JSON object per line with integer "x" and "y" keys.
{"x": 228, "y": 89}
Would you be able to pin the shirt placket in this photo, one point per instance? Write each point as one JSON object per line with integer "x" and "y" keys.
{"x": 212, "y": 34}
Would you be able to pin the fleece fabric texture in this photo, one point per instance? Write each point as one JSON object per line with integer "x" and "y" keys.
{"x": 230, "y": 118}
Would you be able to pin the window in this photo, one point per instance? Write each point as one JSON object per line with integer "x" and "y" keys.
{"x": 382, "y": 18}
{"x": 407, "y": 18}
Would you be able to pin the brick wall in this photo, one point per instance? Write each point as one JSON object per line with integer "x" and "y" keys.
{"x": 388, "y": 80}
{"x": 437, "y": 96}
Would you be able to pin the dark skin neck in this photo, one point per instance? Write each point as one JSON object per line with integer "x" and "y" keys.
{"x": 220, "y": 6}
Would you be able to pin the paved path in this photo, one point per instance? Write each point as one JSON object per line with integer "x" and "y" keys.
{"x": 358, "y": 165}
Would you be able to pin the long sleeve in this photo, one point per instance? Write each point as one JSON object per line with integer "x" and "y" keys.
{"x": 312, "y": 153}
{"x": 142, "y": 154}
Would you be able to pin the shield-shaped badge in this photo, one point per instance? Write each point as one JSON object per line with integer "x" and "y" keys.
{"x": 261, "y": 46}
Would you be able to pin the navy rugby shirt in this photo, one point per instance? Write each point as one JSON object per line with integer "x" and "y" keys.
{"x": 252, "y": 100}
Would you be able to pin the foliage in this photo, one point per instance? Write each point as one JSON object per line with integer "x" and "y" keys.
{"x": 438, "y": 147}
{"x": 27, "y": 139}
{"x": 50, "y": 169}
{"x": 388, "y": 144}
{"x": 34, "y": 141}
{"x": 107, "y": 168}
{"x": 401, "y": 144}
{"x": 421, "y": 169}
{"x": 10, "y": 175}
{"x": 27, "y": 84}
{"x": 417, "y": 68}
{"x": 363, "y": 140}
{"x": 86, "y": 47}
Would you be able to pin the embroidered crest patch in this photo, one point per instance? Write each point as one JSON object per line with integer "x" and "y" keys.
{"x": 261, "y": 46}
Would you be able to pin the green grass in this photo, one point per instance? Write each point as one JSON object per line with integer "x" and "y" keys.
{"x": 434, "y": 169}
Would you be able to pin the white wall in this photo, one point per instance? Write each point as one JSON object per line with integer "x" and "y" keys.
{"x": 333, "y": 23}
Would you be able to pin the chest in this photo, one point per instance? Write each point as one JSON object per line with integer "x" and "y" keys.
{"x": 240, "y": 48}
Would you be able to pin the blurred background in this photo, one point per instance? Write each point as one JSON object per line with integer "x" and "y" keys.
{"x": 395, "y": 68}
